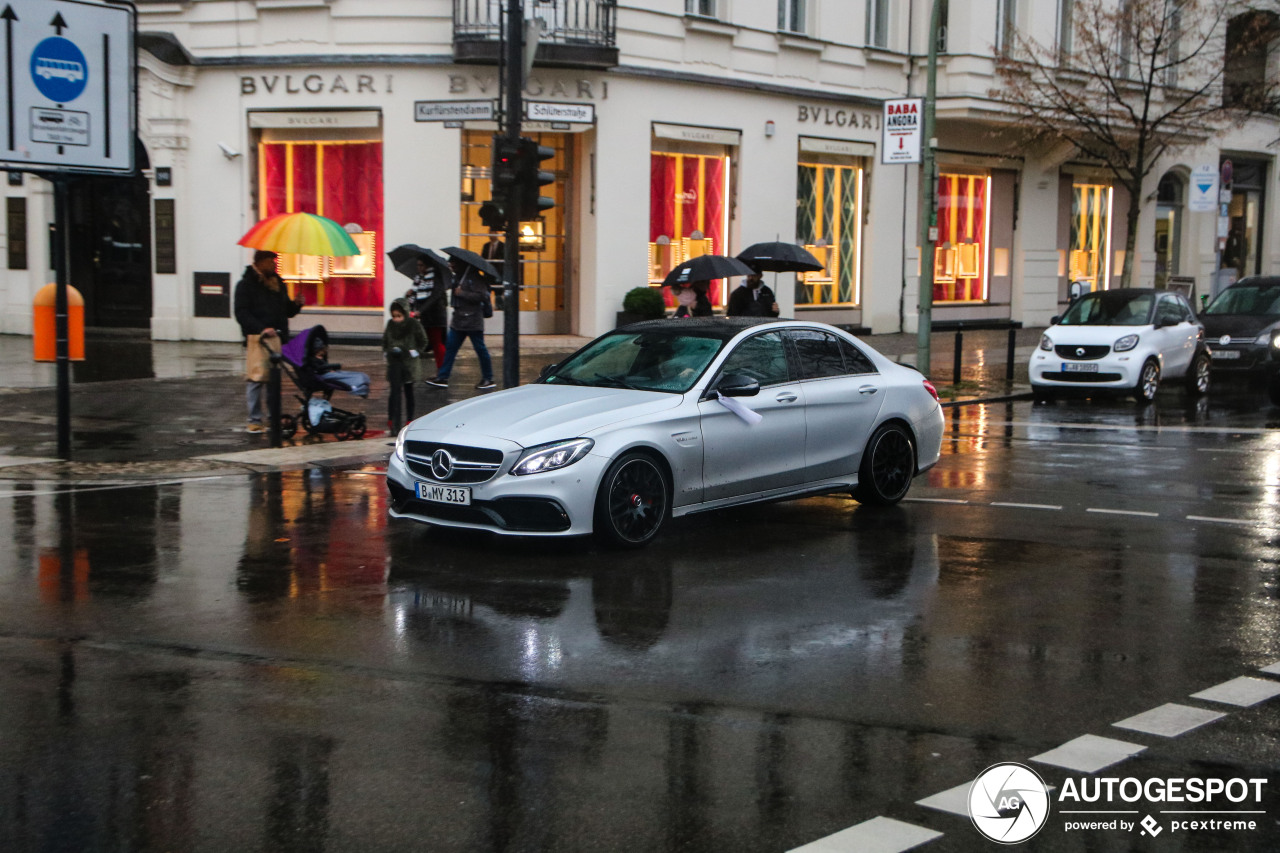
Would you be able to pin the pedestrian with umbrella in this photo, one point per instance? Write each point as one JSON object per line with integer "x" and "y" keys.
{"x": 261, "y": 303}
{"x": 262, "y": 308}
{"x": 754, "y": 299}
{"x": 696, "y": 274}
{"x": 472, "y": 303}
{"x": 428, "y": 294}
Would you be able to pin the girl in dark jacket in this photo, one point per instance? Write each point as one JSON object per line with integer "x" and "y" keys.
{"x": 403, "y": 341}
{"x": 470, "y": 293}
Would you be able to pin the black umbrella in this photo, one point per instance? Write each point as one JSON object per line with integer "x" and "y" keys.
{"x": 779, "y": 257}
{"x": 405, "y": 260}
{"x": 472, "y": 259}
{"x": 705, "y": 268}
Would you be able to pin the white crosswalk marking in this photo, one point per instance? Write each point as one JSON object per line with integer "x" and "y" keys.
{"x": 1169, "y": 720}
{"x": 1089, "y": 753}
{"x": 1243, "y": 691}
{"x": 878, "y": 835}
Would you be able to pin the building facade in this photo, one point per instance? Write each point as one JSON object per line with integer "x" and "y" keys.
{"x": 697, "y": 126}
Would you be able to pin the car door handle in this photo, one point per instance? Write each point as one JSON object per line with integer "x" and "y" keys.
{"x": 868, "y": 389}
{"x": 786, "y": 397}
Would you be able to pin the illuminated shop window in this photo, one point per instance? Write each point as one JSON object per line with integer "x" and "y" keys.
{"x": 542, "y": 241}
{"x": 341, "y": 180}
{"x": 960, "y": 256}
{"x": 688, "y": 204}
{"x": 828, "y": 217}
{"x": 1090, "y": 254}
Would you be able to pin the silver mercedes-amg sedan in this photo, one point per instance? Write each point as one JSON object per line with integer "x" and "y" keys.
{"x": 666, "y": 418}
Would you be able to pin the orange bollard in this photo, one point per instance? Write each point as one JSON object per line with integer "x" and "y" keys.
{"x": 44, "y": 324}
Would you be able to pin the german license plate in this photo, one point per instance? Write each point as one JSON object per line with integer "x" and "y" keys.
{"x": 460, "y": 495}
{"x": 1076, "y": 367}
{"x": 1226, "y": 353}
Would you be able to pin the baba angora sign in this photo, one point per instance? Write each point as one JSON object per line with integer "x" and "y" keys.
{"x": 901, "y": 131}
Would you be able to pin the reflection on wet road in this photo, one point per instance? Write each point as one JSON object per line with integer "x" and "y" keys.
{"x": 267, "y": 663}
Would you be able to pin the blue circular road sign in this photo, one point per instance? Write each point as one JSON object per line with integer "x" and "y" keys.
{"x": 59, "y": 69}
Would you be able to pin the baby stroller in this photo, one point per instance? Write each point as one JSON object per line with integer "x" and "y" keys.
{"x": 305, "y": 360}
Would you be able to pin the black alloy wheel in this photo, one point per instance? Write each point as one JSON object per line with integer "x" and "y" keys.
{"x": 888, "y": 465}
{"x": 1198, "y": 375}
{"x": 633, "y": 502}
{"x": 1148, "y": 382}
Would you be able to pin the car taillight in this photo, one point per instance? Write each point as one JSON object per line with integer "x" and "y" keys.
{"x": 933, "y": 392}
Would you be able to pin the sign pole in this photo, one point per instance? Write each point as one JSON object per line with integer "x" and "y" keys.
{"x": 61, "y": 335}
{"x": 928, "y": 202}
{"x": 514, "y": 61}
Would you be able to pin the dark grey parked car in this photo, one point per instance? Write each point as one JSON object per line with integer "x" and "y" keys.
{"x": 1242, "y": 327}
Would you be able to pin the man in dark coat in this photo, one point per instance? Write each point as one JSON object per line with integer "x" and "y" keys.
{"x": 263, "y": 309}
{"x": 752, "y": 299}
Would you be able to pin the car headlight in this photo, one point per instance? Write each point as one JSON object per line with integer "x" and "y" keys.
{"x": 1045, "y": 343}
{"x": 1268, "y": 339}
{"x": 549, "y": 457}
{"x": 400, "y": 444}
{"x": 1125, "y": 344}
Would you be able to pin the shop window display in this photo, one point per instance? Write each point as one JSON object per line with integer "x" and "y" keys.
{"x": 1088, "y": 259}
{"x": 341, "y": 180}
{"x": 828, "y": 219}
{"x": 687, "y": 212}
{"x": 960, "y": 255}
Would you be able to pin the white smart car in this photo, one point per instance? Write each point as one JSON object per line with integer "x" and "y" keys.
{"x": 670, "y": 417}
{"x": 1127, "y": 340}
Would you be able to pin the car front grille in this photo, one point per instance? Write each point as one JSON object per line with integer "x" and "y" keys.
{"x": 470, "y": 464}
{"x": 519, "y": 515}
{"x": 1081, "y": 352}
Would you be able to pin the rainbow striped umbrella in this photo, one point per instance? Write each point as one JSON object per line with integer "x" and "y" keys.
{"x": 300, "y": 234}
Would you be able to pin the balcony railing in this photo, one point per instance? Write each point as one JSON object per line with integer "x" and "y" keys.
{"x": 575, "y": 33}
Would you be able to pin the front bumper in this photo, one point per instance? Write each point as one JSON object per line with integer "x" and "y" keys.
{"x": 556, "y": 503}
{"x": 1116, "y": 370}
{"x": 1246, "y": 359}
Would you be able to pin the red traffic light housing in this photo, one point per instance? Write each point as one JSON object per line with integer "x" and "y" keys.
{"x": 529, "y": 202}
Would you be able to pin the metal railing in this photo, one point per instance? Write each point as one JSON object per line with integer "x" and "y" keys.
{"x": 566, "y": 22}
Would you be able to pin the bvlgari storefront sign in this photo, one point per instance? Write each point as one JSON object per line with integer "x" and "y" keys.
{"x": 316, "y": 84}
{"x": 314, "y": 118}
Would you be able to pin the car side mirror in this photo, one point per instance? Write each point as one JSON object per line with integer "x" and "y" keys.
{"x": 547, "y": 370}
{"x": 1053, "y": 321}
{"x": 737, "y": 385}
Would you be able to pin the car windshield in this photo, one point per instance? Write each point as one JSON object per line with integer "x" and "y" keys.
{"x": 1110, "y": 308}
{"x": 653, "y": 360}
{"x": 1254, "y": 299}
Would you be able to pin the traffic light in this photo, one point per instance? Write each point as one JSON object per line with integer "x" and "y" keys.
{"x": 504, "y": 173}
{"x": 529, "y": 202}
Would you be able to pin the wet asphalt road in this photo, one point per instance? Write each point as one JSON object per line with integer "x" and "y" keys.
{"x": 265, "y": 662}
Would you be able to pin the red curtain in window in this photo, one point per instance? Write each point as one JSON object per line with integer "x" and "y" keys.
{"x": 342, "y": 181}
{"x": 353, "y": 193}
{"x": 962, "y": 229}
{"x": 662, "y": 196}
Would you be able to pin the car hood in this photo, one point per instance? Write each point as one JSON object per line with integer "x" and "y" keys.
{"x": 536, "y": 414}
{"x": 1237, "y": 325}
{"x": 1062, "y": 335}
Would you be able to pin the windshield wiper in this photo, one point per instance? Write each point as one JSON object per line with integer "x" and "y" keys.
{"x": 615, "y": 382}
{"x": 558, "y": 379}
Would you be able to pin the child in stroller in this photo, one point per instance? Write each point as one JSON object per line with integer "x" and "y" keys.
{"x": 306, "y": 361}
